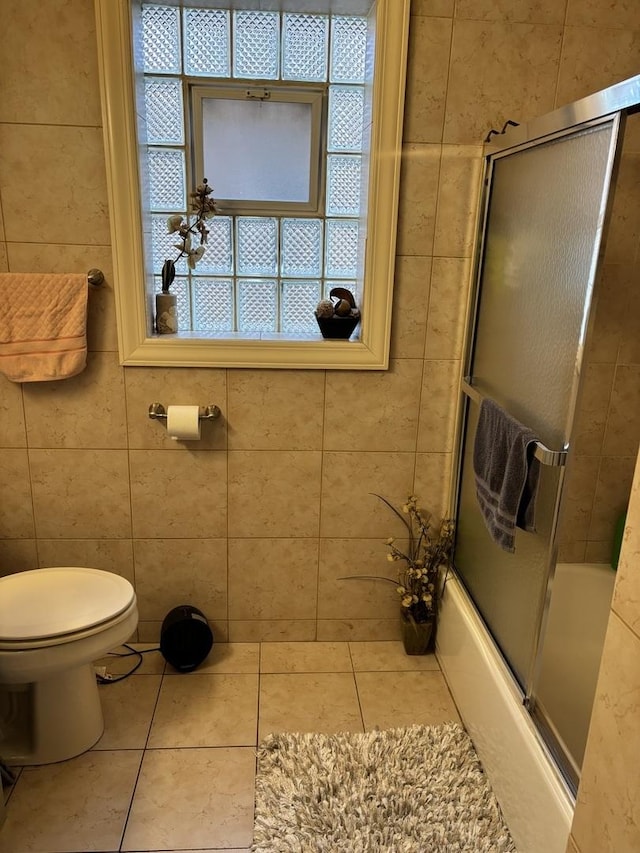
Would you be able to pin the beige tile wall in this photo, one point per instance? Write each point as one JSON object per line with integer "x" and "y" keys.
{"x": 257, "y": 522}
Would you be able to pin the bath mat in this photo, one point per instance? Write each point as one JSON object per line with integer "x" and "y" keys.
{"x": 411, "y": 790}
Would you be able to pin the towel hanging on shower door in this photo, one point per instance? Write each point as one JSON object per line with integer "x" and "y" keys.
{"x": 506, "y": 474}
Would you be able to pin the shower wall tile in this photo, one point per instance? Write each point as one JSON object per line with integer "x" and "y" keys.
{"x": 626, "y": 593}
{"x": 186, "y": 386}
{"x": 610, "y": 784}
{"x": 12, "y": 426}
{"x": 591, "y": 415}
{"x": 359, "y": 630}
{"x": 623, "y": 233}
{"x": 384, "y": 413}
{"x": 611, "y": 495}
{"x": 171, "y": 572}
{"x": 339, "y": 598}
{"x": 499, "y": 71}
{"x": 614, "y": 312}
{"x": 572, "y": 552}
{"x": 349, "y": 482}
{"x": 428, "y": 69}
{"x": 47, "y": 205}
{"x": 577, "y": 500}
{"x": 450, "y": 279}
{"x": 178, "y": 495}
{"x": 81, "y": 494}
{"x": 16, "y": 515}
{"x": 595, "y": 13}
{"x": 438, "y": 406}
{"x": 17, "y": 555}
{"x": 437, "y": 8}
{"x": 273, "y": 579}
{"x": 458, "y": 190}
{"x": 102, "y": 332}
{"x": 87, "y": 410}
{"x": 594, "y": 58}
{"x": 275, "y": 410}
{"x": 417, "y": 204}
{"x": 517, "y": 11}
{"x": 272, "y": 492}
{"x": 622, "y": 434}
{"x": 598, "y": 552}
{"x": 272, "y": 630}
{"x": 110, "y": 555}
{"x": 410, "y": 306}
{"x": 432, "y": 483}
{"x": 4, "y": 263}
{"x": 46, "y": 91}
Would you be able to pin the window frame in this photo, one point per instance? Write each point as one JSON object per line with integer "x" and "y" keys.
{"x": 137, "y": 344}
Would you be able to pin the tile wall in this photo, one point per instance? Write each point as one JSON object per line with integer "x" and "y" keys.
{"x": 257, "y": 522}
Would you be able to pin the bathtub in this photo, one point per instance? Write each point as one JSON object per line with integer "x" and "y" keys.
{"x": 535, "y": 800}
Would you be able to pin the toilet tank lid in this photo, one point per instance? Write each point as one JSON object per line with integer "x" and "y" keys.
{"x": 60, "y": 600}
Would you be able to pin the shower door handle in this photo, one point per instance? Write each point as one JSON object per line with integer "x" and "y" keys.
{"x": 552, "y": 458}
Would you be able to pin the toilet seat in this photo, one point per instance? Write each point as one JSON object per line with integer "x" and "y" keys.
{"x": 44, "y": 607}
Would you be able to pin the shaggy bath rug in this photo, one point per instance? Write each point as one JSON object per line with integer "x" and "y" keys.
{"x": 413, "y": 790}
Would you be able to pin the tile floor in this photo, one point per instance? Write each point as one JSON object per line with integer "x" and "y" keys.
{"x": 174, "y": 769}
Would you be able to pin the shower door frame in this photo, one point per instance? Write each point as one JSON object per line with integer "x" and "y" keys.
{"x": 609, "y": 105}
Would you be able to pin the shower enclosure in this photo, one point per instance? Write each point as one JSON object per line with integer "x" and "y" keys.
{"x": 551, "y": 339}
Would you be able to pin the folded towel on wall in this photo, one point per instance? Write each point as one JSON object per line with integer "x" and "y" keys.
{"x": 506, "y": 474}
{"x": 43, "y": 330}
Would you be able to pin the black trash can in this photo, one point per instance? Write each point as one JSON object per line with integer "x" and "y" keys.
{"x": 185, "y": 637}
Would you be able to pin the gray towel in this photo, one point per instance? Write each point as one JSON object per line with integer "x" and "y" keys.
{"x": 506, "y": 474}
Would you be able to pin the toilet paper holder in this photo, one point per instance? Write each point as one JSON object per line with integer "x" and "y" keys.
{"x": 207, "y": 413}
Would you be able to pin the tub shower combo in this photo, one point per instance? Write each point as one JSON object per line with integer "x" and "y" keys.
{"x": 522, "y": 633}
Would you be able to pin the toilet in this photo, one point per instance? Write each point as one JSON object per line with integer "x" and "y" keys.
{"x": 54, "y": 623}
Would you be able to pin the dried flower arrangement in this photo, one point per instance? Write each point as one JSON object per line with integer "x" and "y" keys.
{"x": 205, "y": 207}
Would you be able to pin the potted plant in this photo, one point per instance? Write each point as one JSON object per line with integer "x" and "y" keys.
{"x": 205, "y": 208}
{"x": 429, "y": 551}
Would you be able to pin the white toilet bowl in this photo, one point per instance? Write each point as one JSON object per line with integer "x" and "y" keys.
{"x": 53, "y": 624}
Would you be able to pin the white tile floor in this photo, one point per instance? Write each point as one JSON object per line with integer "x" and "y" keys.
{"x": 175, "y": 767}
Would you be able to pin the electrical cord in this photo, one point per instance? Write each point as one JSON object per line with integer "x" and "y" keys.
{"x": 104, "y": 679}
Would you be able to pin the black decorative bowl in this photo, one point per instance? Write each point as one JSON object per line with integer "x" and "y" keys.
{"x": 337, "y": 327}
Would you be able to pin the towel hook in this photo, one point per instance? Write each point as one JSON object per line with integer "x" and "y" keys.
{"x": 95, "y": 277}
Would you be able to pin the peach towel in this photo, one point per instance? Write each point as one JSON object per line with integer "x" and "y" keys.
{"x": 43, "y": 326}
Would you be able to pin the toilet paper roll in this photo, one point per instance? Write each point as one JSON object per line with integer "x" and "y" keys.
{"x": 183, "y": 422}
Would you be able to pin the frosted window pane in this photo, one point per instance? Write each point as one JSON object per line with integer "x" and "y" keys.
{"x": 166, "y": 180}
{"x": 213, "y": 304}
{"x": 257, "y": 150}
{"x": 304, "y": 47}
{"x": 341, "y": 255}
{"x": 218, "y": 255}
{"x": 207, "y": 47}
{"x": 348, "y": 49}
{"x": 301, "y": 247}
{"x": 256, "y": 45}
{"x": 257, "y": 305}
{"x": 299, "y": 299}
{"x": 343, "y": 185}
{"x": 346, "y": 111}
{"x": 163, "y": 110}
{"x": 257, "y": 246}
{"x": 161, "y": 39}
{"x": 163, "y": 245}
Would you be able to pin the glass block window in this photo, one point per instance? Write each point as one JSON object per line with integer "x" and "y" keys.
{"x": 260, "y": 274}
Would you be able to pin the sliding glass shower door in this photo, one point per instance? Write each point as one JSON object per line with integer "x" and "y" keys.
{"x": 544, "y": 217}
